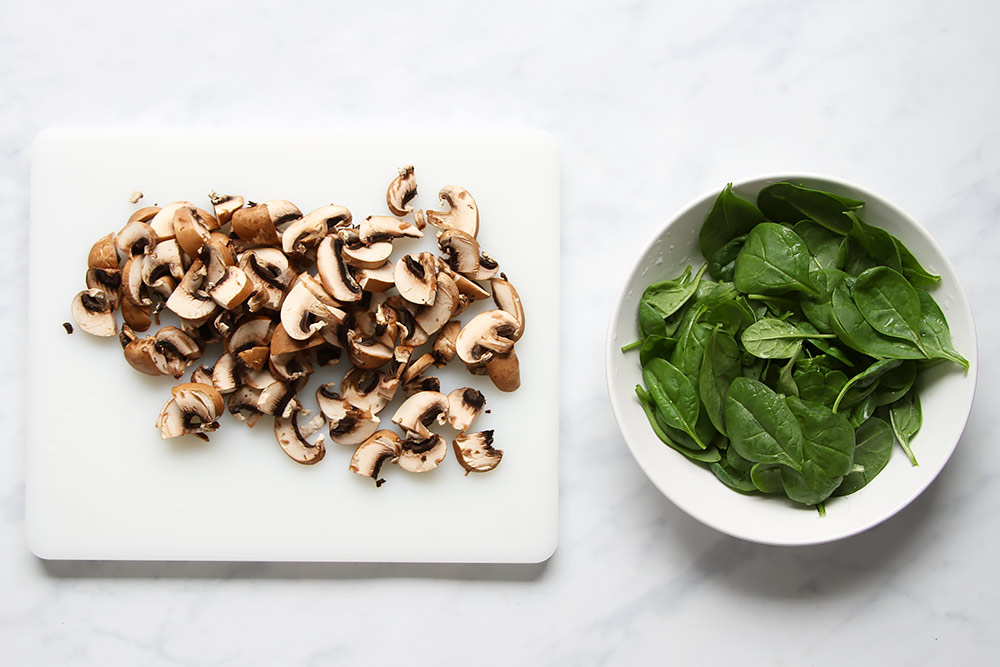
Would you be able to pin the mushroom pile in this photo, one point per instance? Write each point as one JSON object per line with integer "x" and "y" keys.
{"x": 285, "y": 293}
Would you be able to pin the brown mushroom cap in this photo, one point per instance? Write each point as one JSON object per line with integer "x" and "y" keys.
{"x": 307, "y": 308}
{"x": 487, "y": 334}
{"x": 505, "y": 372}
{"x": 308, "y": 231}
{"x": 507, "y": 299}
{"x": 416, "y": 278}
{"x": 92, "y": 311}
{"x": 289, "y": 436}
{"x": 444, "y": 345}
{"x": 463, "y": 213}
{"x": 475, "y": 452}
{"x": 401, "y": 191}
{"x": 369, "y": 390}
{"x": 144, "y": 214}
{"x": 460, "y": 250}
{"x": 103, "y": 254}
{"x": 422, "y": 455}
{"x": 366, "y": 352}
{"x": 192, "y": 409}
{"x": 225, "y": 205}
{"x": 254, "y": 225}
{"x": 135, "y": 238}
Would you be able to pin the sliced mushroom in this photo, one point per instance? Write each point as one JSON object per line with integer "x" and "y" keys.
{"x": 505, "y": 372}
{"x": 432, "y": 318}
{"x": 291, "y": 366}
{"x": 282, "y": 212}
{"x": 377, "y": 228}
{"x": 163, "y": 267}
{"x": 366, "y": 352}
{"x": 349, "y": 425}
{"x": 460, "y": 250}
{"x": 189, "y": 300}
{"x": 135, "y": 316}
{"x": 336, "y": 276}
{"x": 135, "y": 238}
{"x": 163, "y": 222}
{"x": 289, "y": 435}
{"x": 192, "y": 409}
{"x": 144, "y": 214}
{"x": 252, "y": 332}
{"x": 257, "y": 225}
{"x": 507, "y": 299}
{"x": 108, "y": 281}
{"x": 464, "y": 405}
{"x": 419, "y": 411}
{"x": 278, "y": 399}
{"x": 377, "y": 280}
{"x": 242, "y": 404}
{"x": 487, "y": 268}
{"x": 307, "y": 308}
{"x": 368, "y": 458}
{"x": 417, "y": 367}
{"x": 133, "y": 289}
{"x": 444, "y": 346}
{"x": 142, "y": 355}
{"x": 486, "y": 335}
{"x": 202, "y": 375}
{"x": 369, "y": 390}
{"x": 281, "y": 343}
{"x": 401, "y": 191}
{"x": 261, "y": 379}
{"x": 191, "y": 234}
{"x": 416, "y": 278}
{"x": 224, "y": 374}
{"x": 463, "y": 213}
{"x": 475, "y": 452}
{"x": 177, "y": 350}
{"x": 92, "y": 311}
{"x": 103, "y": 254}
{"x": 255, "y": 357}
{"x": 367, "y": 256}
{"x": 232, "y": 289}
{"x": 268, "y": 271}
{"x": 422, "y": 455}
{"x": 308, "y": 231}
{"x": 225, "y": 205}
{"x": 421, "y": 383}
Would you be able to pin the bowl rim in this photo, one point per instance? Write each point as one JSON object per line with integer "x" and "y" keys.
{"x": 611, "y": 349}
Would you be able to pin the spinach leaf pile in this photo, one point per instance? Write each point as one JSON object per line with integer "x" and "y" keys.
{"x": 791, "y": 367}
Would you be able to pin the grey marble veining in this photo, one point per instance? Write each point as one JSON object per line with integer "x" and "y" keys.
{"x": 653, "y": 104}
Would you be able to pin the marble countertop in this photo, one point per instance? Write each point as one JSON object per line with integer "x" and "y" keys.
{"x": 652, "y": 104}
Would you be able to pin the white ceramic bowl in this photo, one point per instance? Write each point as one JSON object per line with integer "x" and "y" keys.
{"x": 946, "y": 393}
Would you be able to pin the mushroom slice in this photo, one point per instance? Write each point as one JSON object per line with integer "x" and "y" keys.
{"x": 252, "y": 332}
{"x": 242, "y": 404}
{"x": 505, "y": 372}
{"x": 337, "y": 278}
{"x": 432, "y": 318}
{"x": 291, "y": 366}
{"x": 282, "y": 212}
{"x": 464, "y": 405}
{"x": 368, "y": 458}
{"x": 463, "y": 213}
{"x": 420, "y": 411}
{"x": 133, "y": 289}
{"x": 289, "y": 436}
{"x": 307, "y": 308}
{"x": 416, "y": 278}
{"x": 163, "y": 222}
{"x": 135, "y": 316}
{"x": 103, "y": 254}
{"x": 421, "y": 383}
{"x": 475, "y": 452}
{"x": 225, "y": 205}
{"x": 261, "y": 379}
{"x": 377, "y": 228}
{"x": 232, "y": 289}
{"x": 487, "y": 268}
{"x": 367, "y": 352}
{"x": 135, "y": 238}
{"x": 369, "y": 390}
{"x": 189, "y": 300}
{"x": 444, "y": 346}
{"x": 410, "y": 333}
{"x": 377, "y": 280}
{"x": 144, "y": 214}
{"x": 224, "y": 374}
{"x": 486, "y": 335}
{"x": 255, "y": 225}
{"x": 460, "y": 250}
{"x": 202, "y": 375}
{"x": 268, "y": 271}
{"x": 507, "y": 299}
{"x": 282, "y": 343}
{"x": 417, "y": 368}
{"x": 92, "y": 311}
{"x": 108, "y": 281}
{"x": 278, "y": 399}
{"x": 422, "y": 455}
{"x": 367, "y": 256}
{"x": 349, "y": 425}
{"x": 191, "y": 234}
{"x": 401, "y": 191}
{"x": 308, "y": 231}
{"x": 177, "y": 350}
{"x": 164, "y": 263}
{"x": 193, "y": 409}
{"x": 466, "y": 286}
{"x": 142, "y": 355}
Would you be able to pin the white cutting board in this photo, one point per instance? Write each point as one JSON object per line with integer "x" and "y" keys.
{"x": 101, "y": 484}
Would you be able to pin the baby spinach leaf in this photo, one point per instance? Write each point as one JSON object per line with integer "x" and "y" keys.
{"x": 905, "y": 418}
{"x": 879, "y": 244}
{"x": 823, "y": 245}
{"x": 867, "y": 377}
{"x": 730, "y": 217}
{"x": 722, "y": 263}
{"x": 691, "y": 339}
{"x": 914, "y": 272}
{"x": 820, "y": 386}
{"x": 649, "y": 407}
{"x": 667, "y": 296}
{"x": 761, "y": 426}
{"x": 817, "y": 310}
{"x": 871, "y": 453}
{"x": 656, "y": 346}
{"x": 772, "y": 338}
{"x": 827, "y": 449}
{"x": 853, "y": 258}
{"x": 863, "y": 409}
{"x": 766, "y": 478}
{"x": 773, "y": 261}
{"x": 719, "y": 367}
{"x": 675, "y": 397}
{"x": 935, "y": 333}
{"x": 650, "y": 322}
{"x": 889, "y": 303}
{"x": 855, "y": 332}
{"x": 821, "y": 344}
{"x": 896, "y": 383}
{"x": 787, "y": 202}
{"x": 786, "y": 383}
{"x": 732, "y": 315}
{"x": 738, "y": 480}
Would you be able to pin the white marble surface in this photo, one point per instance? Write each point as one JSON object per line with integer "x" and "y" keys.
{"x": 653, "y": 103}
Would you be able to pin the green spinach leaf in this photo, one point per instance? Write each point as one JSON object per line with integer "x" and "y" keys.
{"x": 761, "y": 426}
{"x": 674, "y": 395}
{"x": 787, "y": 202}
{"x": 773, "y": 261}
{"x": 935, "y": 333}
{"x": 905, "y": 417}
{"x": 772, "y": 338}
{"x": 871, "y": 453}
{"x": 890, "y": 304}
{"x": 729, "y": 218}
{"x": 719, "y": 367}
